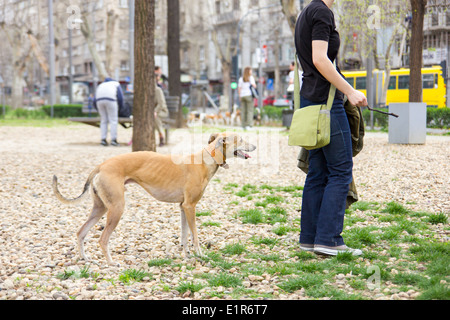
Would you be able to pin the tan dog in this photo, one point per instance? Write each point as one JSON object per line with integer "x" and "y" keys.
{"x": 175, "y": 179}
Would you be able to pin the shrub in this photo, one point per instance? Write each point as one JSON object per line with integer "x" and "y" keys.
{"x": 64, "y": 110}
{"x": 379, "y": 120}
{"x": 21, "y": 113}
{"x": 273, "y": 113}
{"x": 438, "y": 117}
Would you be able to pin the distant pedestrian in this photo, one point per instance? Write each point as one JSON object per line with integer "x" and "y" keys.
{"x": 158, "y": 75}
{"x": 246, "y": 97}
{"x": 161, "y": 112}
{"x": 290, "y": 89}
{"x": 109, "y": 98}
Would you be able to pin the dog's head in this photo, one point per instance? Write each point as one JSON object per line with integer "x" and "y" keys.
{"x": 231, "y": 145}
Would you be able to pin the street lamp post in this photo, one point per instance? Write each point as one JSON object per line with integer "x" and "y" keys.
{"x": 77, "y": 21}
{"x": 51, "y": 37}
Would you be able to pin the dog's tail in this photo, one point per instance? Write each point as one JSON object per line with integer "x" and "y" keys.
{"x": 81, "y": 196}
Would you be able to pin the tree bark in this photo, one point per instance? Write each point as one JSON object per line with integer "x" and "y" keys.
{"x": 110, "y": 32}
{"x": 87, "y": 33}
{"x": 173, "y": 52}
{"x": 145, "y": 83}
{"x": 290, "y": 12}
{"x": 416, "y": 56}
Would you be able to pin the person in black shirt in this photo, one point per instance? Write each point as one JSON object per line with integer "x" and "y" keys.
{"x": 330, "y": 168}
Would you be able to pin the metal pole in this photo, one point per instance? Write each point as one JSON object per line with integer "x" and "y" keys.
{"x": 260, "y": 85}
{"x": 131, "y": 40}
{"x": 369, "y": 84}
{"x": 2, "y": 90}
{"x": 94, "y": 68}
{"x": 70, "y": 68}
{"x": 51, "y": 37}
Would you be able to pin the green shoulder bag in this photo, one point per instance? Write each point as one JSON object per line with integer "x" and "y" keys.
{"x": 310, "y": 126}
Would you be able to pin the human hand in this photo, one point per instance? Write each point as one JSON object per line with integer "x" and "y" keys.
{"x": 357, "y": 98}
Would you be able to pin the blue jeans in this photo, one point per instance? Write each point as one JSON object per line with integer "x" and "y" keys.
{"x": 327, "y": 183}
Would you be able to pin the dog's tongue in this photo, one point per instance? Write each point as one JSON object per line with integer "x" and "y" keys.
{"x": 246, "y": 155}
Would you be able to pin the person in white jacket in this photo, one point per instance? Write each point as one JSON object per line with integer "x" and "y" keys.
{"x": 108, "y": 100}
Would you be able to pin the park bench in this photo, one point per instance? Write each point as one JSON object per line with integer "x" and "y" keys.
{"x": 173, "y": 103}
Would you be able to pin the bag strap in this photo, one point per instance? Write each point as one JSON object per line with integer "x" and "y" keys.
{"x": 331, "y": 93}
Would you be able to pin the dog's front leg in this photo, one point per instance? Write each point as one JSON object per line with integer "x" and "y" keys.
{"x": 189, "y": 212}
{"x": 184, "y": 233}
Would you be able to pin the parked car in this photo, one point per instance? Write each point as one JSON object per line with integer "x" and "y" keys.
{"x": 283, "y": 102}
{"x": 268, "y": 101}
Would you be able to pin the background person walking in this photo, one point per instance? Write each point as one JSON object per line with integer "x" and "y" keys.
{"x": 109, "y": 98}
{"x": 246, "y": 97}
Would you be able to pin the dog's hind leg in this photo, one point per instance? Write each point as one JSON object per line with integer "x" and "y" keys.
{"x": 113, "y": 216}
{"x": 98, "y": 210}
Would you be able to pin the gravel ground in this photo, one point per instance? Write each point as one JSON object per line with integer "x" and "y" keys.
{"x": 38, "y": 234}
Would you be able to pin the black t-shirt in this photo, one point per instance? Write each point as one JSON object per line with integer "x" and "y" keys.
{"x": 316, "y": 22}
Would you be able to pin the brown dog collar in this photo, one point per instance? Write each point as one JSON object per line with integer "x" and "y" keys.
{"x": 218, "y": 156}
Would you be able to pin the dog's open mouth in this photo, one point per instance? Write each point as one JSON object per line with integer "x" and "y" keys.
{"x": 241, "y": 154}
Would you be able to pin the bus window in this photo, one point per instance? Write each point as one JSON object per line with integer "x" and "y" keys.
{"x": 392, "y": 83}
{"x": 428, "y": 81}
{"x": 403, "y": 82}
{"x": 351, "y": 81}
{"x": 360, "y": 83}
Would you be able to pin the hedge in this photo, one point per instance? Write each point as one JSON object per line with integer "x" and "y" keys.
{"x": 64, "y": 110}
{"x": 436, "y": 118}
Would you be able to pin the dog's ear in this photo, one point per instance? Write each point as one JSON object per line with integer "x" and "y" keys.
{"x": 212, "y": 137}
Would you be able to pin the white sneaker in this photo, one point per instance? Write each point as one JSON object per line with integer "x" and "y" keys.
{"x": 307, "y": 247}
{"x": 333, "y": 251}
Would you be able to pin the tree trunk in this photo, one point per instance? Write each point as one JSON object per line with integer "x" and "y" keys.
{"x": 415, "y": 61}
{"x": 290, "y": 12}
{"x": 145, "y": 83}
{"x": 173, "y": 52}
{"x": 277, "y": 80}
{"x": 87, "y": 33}
{"x": 110, "y": 28}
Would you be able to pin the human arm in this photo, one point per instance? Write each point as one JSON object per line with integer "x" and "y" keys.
{"x": 327, "y": 69}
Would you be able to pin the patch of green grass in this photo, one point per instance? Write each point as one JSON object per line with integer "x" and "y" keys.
{"x": 437, "y": 218}
{"x": 225, "y": 280}
{"x": 274, "y": 199}
{"x": 188, "y": 286}
{"x": 266, "y": 257}
{"x": 281, "y": 230}
{"x": 364, "y": 206}
{"x": 230, "y": 186}
{"x": 276, "y": 214}
{"x": 395, "y": 208}
{"x": 354, "y": 237}
{"x": 66, "y": 274}
{"x": 242, "y": 193}
{"x": 82, "y": 273}
{"x": 436, "y": 291}
{"x": 253, "y": 216}
{"x": 133, "y": 275}
{"x": 211, "y": 224}
{"x": 304, "y": 281}
{"x": 234, "y": 249}
{"x": 159, "y": 262}
{"x": 270, "y": 242}
{"x": 203, "y": 213}
{"x": 332, "y": 293}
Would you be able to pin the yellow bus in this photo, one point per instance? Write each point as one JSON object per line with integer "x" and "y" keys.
{"x": 434, "y": 88}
